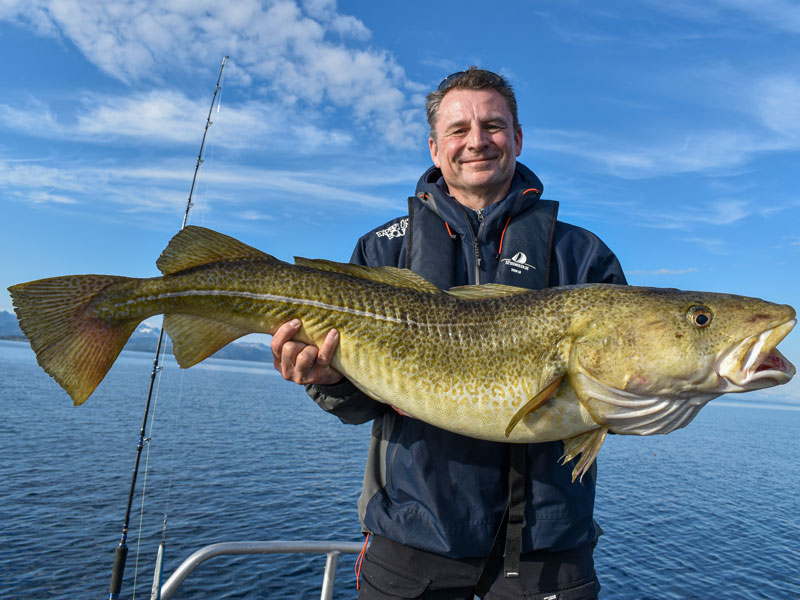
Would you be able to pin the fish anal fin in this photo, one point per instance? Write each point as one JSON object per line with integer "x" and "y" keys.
{"x": 196, "y": 338}
{"x": 195, "y": 246}
{"x": 587, "y": 445}
{"x": 486, "y": 290}
{"x": 393, "y": 276}
{"x": 534, "y": 403}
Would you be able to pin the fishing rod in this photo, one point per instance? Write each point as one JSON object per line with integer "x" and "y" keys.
{"x": 121, "y": 552}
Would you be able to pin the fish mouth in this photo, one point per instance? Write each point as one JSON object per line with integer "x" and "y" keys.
{"x": 756, "y": 363}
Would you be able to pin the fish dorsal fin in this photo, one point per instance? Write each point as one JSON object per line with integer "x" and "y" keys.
{"x": 389, "y": 275}
{"x": 194, "y": 246}
{"x": 487, "y": 290}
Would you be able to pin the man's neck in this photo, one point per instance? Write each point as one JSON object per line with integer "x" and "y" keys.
{"x": 478, "y": 200}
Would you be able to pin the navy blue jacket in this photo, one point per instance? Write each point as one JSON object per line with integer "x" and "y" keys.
{"x": 439, "y": 491}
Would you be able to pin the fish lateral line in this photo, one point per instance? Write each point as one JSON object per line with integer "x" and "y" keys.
{"x": 153, "y": 298}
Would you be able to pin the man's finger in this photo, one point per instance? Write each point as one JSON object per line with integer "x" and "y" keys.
{"x": 327, "y": 349}
{"x": 304, "y": 363}
{"x": 282, "y": 335}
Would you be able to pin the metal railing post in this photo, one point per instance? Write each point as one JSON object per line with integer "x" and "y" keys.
{"x": 328, "y": 579}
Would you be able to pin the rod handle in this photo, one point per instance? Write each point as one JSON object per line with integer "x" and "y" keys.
{"x": 120, "y": 555}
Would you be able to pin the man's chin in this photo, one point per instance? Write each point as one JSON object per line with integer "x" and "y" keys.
{"x": 483, "y": 179}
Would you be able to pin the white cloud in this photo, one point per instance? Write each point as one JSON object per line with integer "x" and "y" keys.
{"x": 776, "y": 100}
{"x": 254, "y": 215}
{"x": 699, "y": 150}
{"x": 162, "y": 189}
{"x": 303, "y": 57}
{"x": 31, "y": 175}
{"x": 170, "y": 117}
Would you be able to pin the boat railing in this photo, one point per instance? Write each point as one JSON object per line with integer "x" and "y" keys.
{"x": 331, "y": 549}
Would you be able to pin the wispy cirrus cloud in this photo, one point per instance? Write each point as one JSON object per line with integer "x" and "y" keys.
{"x": 783, "y": 15}
{"x": 662, "y": 271}
{"x": 695, "y": 151}
{"x": 163, "y": 188}
{"x": 689, "y": 217}
{"x": 764, "y": 118}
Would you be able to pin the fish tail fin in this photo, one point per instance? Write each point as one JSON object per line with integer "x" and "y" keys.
{"x": 76, "y": 349}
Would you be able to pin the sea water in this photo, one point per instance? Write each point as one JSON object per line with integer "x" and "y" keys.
{"x": 238, "y": 454}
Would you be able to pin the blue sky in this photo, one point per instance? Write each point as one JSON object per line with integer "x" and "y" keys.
{"x": 670, "y": 128}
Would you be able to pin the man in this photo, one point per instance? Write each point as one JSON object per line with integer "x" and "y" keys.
{"x": 437, "y": 504}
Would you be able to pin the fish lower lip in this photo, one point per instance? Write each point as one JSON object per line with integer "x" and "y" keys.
{"x": 756, "y": 363}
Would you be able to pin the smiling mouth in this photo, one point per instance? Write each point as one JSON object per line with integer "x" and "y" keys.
{"x": 482, "y": 159}
{"x": 756, "y": 363}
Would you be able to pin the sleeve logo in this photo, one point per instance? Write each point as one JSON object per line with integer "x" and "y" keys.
{"x": 394, "y": 230}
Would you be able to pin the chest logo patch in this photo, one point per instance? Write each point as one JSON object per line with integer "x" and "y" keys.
{"x": 518, "y": 263}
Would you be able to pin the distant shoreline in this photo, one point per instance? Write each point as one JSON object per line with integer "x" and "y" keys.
{"x": 241, "y": 351}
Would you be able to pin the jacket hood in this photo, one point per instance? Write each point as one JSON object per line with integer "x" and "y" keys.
{"x": 526, "y": 188}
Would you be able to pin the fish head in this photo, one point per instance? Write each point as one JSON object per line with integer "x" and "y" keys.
{"x": 646, "y": 360}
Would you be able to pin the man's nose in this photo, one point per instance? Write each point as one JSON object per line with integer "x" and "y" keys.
{"x": 477, "y": 137}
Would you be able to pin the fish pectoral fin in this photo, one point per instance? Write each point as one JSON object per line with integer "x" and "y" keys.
{"x": 534, "y": 403}
{"x": 194, "y": 246}
{"x": 196, "y": 338}
{"x": 393, "y": 276}
{"x": 587, "y": 445}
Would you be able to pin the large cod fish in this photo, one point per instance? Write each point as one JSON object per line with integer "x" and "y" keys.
{"x": 492, "y": 362}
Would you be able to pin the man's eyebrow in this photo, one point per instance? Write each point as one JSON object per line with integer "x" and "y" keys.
{"x": 457, "y": 124}
{"x": 498, "y": 118}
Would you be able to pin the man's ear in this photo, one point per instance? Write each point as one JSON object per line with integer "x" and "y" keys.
{"x": 434, "y": 148}
{"x": 518, "y": 140}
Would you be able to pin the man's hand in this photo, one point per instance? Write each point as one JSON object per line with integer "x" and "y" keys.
{"x": 301, "y": 362}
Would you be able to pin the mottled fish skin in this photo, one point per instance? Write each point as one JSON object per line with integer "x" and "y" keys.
{"x": 491, "y": 362}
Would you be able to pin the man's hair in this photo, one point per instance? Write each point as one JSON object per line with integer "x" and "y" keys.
{"x": 471, "y": 79}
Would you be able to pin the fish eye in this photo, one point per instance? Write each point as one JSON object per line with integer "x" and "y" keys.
{"x": 699, "y": 316}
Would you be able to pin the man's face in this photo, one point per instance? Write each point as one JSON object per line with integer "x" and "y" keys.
{"x": 476, "y": 145}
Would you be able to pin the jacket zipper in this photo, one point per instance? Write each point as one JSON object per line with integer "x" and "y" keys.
{"x": 475, "y": 247}
{"x": 475, "y": 238}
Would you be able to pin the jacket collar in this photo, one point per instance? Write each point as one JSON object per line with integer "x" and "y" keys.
{"x": 526, "y": 189}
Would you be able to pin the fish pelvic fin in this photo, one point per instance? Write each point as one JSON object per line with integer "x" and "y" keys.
{"x": 587, "y": 445}
{"x": 534, "y": 403}
{"x": 393, "y": 276}
{"x": 196, "y": 338}
{"x": 194, "y": 246}
{"x": 74, "y": 348}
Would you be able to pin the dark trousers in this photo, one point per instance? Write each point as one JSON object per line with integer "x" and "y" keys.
{"x": 392, "y": 571}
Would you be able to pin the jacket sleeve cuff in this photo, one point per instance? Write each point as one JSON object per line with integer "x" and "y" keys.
{"x": 346, "y": 401}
